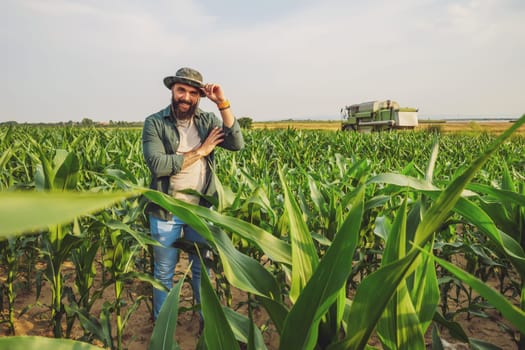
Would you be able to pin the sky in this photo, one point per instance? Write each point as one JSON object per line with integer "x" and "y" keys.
{"x": 66, "y": 60}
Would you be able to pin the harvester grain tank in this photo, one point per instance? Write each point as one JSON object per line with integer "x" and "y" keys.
{"x": 377, "y": 116}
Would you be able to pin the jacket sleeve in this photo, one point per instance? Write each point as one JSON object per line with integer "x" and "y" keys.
{"x": 160, "y": 161}
{"x": 233, "y": 139}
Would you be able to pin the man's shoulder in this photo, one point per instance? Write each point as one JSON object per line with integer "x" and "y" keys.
{"x": 160, "y": 115}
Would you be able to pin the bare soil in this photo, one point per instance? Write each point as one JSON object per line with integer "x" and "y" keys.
{"x": 33, "y": 317}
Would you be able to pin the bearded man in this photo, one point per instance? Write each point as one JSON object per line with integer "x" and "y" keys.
{"x": 178, "y": 145}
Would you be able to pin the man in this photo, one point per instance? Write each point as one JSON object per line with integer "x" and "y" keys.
{"x": 178, "y": 144}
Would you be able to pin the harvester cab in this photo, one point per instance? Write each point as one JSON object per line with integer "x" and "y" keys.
{"x": 377, "y": 116}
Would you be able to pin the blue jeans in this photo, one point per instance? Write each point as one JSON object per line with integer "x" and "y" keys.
{"x": 165, "y": 258}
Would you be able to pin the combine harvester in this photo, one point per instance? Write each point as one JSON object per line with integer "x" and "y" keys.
{"x": 377, "y": 116}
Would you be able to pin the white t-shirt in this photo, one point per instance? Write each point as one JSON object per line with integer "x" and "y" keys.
{"x": 194, "y": 176}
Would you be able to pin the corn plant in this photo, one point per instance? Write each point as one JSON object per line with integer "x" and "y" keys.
{"x": 9, "y": 259}
{"x": 17, "y": 256}
{"x": 58, "y": 174}
{"x": 79, "y": 307}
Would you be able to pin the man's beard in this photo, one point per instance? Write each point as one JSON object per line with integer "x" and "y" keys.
{"x": 183, "y": 115}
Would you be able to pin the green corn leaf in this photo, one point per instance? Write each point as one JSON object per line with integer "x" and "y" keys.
{"x": 410, "y": 182}
{"x": 304, "y": 254}
{"x": 453, "y": 327}
{"x": 217, "y": 331}
{"x": 371, "y": 299}
{"x": 423, "y": 284}
{"x": 43, "y": 343}
{"x": 316, "y": 195}
{"x": 323, "y": 288}
{"x": 225, "y": 195}
{"x": 61, "y": 252}
{"x": 182, "y": 210}
{"x": 242, "y": 326}
{"x": 143, "y": 239}
{"x": 141, "y": 276}
{"x": 25, "y": 212}
{"x": 396, "y": 243}
{"x": 437, "y": 343}
{"x": 242, "y": 271}
{"x": 505, "y": 206}
{"x": 105, "y": 320}
{"x": 376, "y": 201}
{"x": 399, "y": 326}
{"x": 88, "y": 322}
{"x": 4, "y": 157}
{"x": 7, "y": 137}
{"x": 163, "y": 334}
{"x": 403, "y": 181}
{"x": 275, "y": 248}
{"x": 507, "y": 183}
{"x": 429, "y": 174}
{"x": 425, "y": 291}
{"x": 503, "y": 196}
{"x": 277, "y": 312}
{"x": 476, "y": 344}
{"x": 67, "y": 170}
{"x": 44, "y": 176}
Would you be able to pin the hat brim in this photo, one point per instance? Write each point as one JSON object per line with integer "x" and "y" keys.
{"x": 170, "y": 81}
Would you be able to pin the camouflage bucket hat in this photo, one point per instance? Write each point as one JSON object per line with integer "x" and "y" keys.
{"x": 186, "y": 76}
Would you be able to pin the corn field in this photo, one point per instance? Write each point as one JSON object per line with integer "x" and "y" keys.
{"x": 340, "y": 237}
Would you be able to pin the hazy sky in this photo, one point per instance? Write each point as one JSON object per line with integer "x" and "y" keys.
{"x": 105, "y": 60}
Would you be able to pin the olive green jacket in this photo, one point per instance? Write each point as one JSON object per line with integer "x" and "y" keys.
{"x": 160, "y": 141}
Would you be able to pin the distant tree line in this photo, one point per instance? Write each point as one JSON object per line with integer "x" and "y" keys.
{"x": 86, "y": 122}
{"x": 245, "y": 123}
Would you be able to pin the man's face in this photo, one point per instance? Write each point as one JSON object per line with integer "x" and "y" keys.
{"x": 185, "y": 100}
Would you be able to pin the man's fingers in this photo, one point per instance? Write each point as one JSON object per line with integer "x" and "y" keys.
{"x": 216, "y": 133}
{"x": 217, "y": 140}
{"x": 215, "y": 137}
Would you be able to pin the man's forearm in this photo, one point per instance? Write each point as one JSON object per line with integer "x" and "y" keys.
{"x": 226, "y": 113}
{"x": 191, "y": 157}
{"x": 215, "y": 137}
{"x": 227, "y": 117}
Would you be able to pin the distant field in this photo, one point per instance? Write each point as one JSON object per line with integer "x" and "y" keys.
{"x": 443, "y": 126}
{"x": 316, "y": 125}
